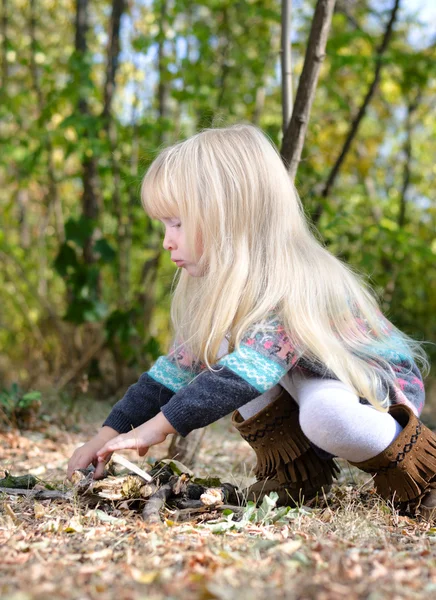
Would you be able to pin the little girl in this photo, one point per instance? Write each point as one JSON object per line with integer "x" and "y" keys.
{"x": 273, "y": 328}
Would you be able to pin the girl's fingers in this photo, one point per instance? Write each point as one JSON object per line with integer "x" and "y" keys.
{"x": 99, "y": 470}
{"x": 126, "y": 444}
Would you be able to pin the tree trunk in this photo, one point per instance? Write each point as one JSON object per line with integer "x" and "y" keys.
{"x": 286, "y": 63}
{"x": 113, "y": 51}
{"x": 91, "y": 201}
{"x": 293, "y": 139}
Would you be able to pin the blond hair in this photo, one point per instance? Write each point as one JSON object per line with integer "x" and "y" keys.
{"x": 261, "y": 258}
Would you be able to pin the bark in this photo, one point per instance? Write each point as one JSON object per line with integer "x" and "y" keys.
{"x": 286, "y": 63}
{"x": 355, "y": 124}
{"x": 293, "y": 139}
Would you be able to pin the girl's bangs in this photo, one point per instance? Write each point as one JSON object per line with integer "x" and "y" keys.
{"x": 157, "y": 197}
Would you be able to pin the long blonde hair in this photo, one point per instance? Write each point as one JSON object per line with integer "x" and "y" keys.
{"x": 261, "y": 257}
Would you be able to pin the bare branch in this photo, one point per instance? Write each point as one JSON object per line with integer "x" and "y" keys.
{"x": 362, "y": 111}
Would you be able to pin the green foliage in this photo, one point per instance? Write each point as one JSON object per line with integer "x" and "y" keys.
{"x": 81, "y": 277}
{"x": 219, "y": 64}
{"x": 266, "y": 514}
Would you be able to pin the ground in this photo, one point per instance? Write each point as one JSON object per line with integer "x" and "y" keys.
{"x": 355, "y": 547}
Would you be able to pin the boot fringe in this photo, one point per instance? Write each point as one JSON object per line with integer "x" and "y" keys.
{"x": 283, "y": 450}
{"x": 286, "y": 460}
{"x": 407, "y": 478}
{"x": 405, "y": 470}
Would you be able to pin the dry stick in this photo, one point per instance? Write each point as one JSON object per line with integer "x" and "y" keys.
{"x": 186, "y": 513}
{"x": 293, "y": 139}
{"x": 361, "y": 113}
{"x": 38, "y": 494}
{"x": 150, "y": 514}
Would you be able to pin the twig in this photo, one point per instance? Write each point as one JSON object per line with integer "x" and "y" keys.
{"x": 150, "y": 514}
{"x": 183, "y": 514}
{"x": 38, "y": 494}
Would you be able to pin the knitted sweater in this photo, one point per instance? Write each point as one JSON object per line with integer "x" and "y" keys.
{"x": 191, "y": 396}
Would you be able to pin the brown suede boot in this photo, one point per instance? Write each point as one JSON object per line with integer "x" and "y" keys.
{"x": 405, "y": 472}
{"x": 286, "y": 462}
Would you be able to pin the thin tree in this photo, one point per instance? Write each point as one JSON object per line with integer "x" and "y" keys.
{"x": 286, "y": 63}
{"x": 293, "y": 139}
{"x": 91, "y": 201}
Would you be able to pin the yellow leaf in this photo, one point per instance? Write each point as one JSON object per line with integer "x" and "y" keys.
{"x": 73, "y": 526}
{"x": 39, "y": 510}
{"x": 141, "y": 577}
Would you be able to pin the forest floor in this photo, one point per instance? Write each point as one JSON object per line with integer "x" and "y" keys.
{"x": 355, "y": 547}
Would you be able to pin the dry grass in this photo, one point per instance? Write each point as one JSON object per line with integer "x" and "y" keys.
{"x": 352, "y": 546}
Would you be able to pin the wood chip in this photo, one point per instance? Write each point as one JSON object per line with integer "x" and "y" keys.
{"x": 120, "y": 460}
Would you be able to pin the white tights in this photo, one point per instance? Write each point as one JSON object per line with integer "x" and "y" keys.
{"x": 332, "y": 417}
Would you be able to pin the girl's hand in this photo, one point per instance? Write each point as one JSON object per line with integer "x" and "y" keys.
{"x": 87, "y": 454}
{"x": 140, "y": 439}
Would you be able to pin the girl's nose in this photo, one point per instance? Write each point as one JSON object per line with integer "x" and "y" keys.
{"x": 168, "y": 243}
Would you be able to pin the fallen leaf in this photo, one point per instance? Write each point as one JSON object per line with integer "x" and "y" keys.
{"x": 143, "y": 577}
{"x": 39, "y": 510}
{"x": 74, "y": 526}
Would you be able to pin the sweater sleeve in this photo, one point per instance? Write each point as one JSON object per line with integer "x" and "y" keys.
{"x": 155, "y": 387}
{"x": 259, "y": 363}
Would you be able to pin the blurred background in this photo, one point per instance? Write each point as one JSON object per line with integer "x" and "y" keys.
{"x": 91, "y": 91}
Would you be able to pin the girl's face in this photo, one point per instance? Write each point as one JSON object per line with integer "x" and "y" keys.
{"x": 175, "y": 242}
